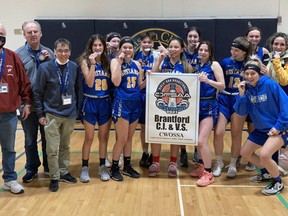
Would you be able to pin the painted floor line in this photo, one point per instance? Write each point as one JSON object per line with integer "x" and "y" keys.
{"x": 180, "y": 195}
{"x": 282, "y": 199}
{"x": 226, "y": 186}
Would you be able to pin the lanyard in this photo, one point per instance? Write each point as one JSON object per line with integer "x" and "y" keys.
{"x": 2, "y": 63}
{"x": 64, "y": 81}
{"x": 34, "y": 53}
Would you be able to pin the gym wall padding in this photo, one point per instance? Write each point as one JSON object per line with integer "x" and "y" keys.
{"x": 220, "y": 32}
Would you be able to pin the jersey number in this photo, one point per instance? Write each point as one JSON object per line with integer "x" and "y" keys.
{"x": 101, "y": 84}
{"x": 233, "y": 83}
{"x": 131, "y": 82}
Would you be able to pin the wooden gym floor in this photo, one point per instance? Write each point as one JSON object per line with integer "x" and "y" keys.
{"x": 145, "y": 196}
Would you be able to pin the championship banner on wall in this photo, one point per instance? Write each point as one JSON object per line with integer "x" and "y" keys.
{"x": 172, "y": 108}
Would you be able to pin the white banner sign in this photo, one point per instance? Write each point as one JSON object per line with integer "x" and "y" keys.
{"x": 172, "y": 108}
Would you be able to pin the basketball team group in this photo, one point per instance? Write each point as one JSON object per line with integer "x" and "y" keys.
{"x": 107, "y": 83}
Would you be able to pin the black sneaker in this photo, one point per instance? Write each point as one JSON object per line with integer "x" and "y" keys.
{"x": 150, "y": 159}
{"x": 144, "y": 162}
{"x": 29, "y": 176}
{"x": 184, "y": 159}
{"x": 68, "y": 179}
{"x": 54, "y": 185}
{"x": 129, "y": 171}
{"x": 196, "y": 157}
{"x": 116, "y": 175}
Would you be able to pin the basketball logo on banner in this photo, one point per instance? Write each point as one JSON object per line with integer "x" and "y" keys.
{"x": 172, "y": 96}
{"x": 172, "y": 108}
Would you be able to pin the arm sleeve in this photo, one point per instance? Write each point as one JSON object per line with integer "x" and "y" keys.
{"x": 25, "y": 91}
{"x": 281, "y": 72}
{"x": 281, "y": 98}
{"x": 39, "y": 93}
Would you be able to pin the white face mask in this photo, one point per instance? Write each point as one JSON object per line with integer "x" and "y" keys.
{"x": 61, "y": 63}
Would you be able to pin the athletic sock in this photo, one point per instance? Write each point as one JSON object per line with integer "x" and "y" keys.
{"x": 127, "y": 161}
{"x": 156, "y": 159}
{"x": 115, "y": 164}
{"x": 102, "y": 161}
{"x": 173, "y": 159}
{"x": 85, "y": 162}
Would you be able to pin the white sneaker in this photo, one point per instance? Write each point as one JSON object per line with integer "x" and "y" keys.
{"x": 107, "y": 163}
{"x": 261, "y": 178}
{"x": 232, "y": 171}
{"x": 120, "y": 160}
{"x": 217, "y": 169}
{"x": 273, "y": 188}
{"x": 154, "y": 169}
{"x": 84, "y": 175}
{"x": 172, "y": 170}
{"x": 13, "y": 186}
{"x": 104, "y": 174}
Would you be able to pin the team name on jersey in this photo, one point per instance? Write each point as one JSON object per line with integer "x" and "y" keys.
{"x": 129, "y": 71}
{"x": 150, "y": 64}
{"x": 170, "y": 71}
{"x": 234, "y": 71}
{"x": 193, "y": 61}
{"x": 101, "y": 72}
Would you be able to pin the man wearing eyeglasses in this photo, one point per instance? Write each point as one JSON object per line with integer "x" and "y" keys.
{"x": 55, "y": 103}
{"x": 32, "y": 54}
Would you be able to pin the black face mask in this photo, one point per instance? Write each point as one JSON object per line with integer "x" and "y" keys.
{"x": 3, "y": 41}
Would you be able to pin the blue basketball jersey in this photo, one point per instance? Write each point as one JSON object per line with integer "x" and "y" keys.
{"x": 233, "y": 73}
{"x": 148, "y": 61}
{"x": 102, "y": 83}
{"x": 192, "y": 58}
{"x": 207, "y": 90}
{"x": 259, "y": 53}
{"x": 111, "y": 56}
{"x": 168, "y": 67}
{"x": 128, "y": 88}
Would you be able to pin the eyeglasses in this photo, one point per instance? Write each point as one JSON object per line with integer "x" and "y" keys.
{"x": 60, "y": 51}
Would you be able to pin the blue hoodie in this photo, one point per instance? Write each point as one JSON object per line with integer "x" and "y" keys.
{"x": 266, "y": 103}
